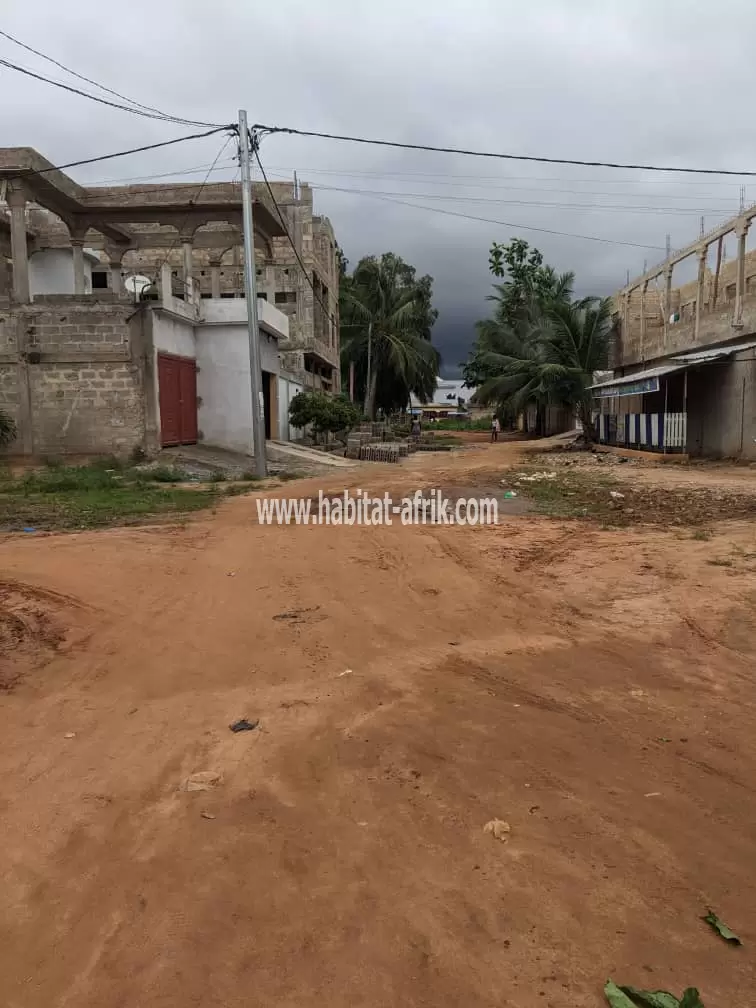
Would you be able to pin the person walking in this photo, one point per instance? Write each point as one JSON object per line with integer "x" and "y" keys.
{"x": 495, "y": 428}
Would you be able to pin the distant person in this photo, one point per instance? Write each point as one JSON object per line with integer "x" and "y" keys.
{"x": 415, "y": 429}
{"x": 495, "y": 428}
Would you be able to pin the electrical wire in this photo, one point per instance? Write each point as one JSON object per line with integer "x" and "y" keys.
{"x": 169, "y": 174}
{"x": 270, "y": 130}
{"x": 193, "y": 200}
{"x": 103, "y": 101}
{"x": 88, "y": 80}
{"x": 28, "y": 172}
{"x": 509, "y": 224}
{"x": 429, "y": 180}
{"x": 255, "y": 149}
{"x": 490, "y": 178}
{"x": 622, "y": 208}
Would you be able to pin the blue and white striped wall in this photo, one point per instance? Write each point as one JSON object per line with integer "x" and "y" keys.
{"x": 647, "y": 430}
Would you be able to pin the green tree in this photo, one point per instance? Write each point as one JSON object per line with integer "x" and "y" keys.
{"x": 529, "y": 287}
{"x": 540, "y": 346}
{"x": 386, "y": 321}
{"x": 326, "y": 414}
{"x": 550, "y": 360}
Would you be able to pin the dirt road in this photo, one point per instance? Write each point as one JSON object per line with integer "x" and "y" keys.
{"x": 595, "y": 689}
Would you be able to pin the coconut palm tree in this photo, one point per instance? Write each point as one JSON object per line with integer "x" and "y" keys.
{"x": 386, "y": 317}
{"x": 549, "y": 359}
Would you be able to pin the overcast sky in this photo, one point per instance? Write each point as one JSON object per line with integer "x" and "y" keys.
{"x": 641, "y": 81}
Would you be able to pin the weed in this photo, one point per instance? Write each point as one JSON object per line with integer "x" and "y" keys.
{"x": 718, "y": 562}
{"x": 93, "y": 495}
{"x": 160, "y": 474}
{"x": 237, "y": 489}
{"x": 701, "y": 535}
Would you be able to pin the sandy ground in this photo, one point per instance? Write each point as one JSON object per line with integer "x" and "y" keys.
{"x": 595, "y": 689}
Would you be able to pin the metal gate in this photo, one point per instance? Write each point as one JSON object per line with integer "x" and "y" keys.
{"x": 177, "y": 392}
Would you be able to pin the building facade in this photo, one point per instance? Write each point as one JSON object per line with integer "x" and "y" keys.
{"x": 684, "y": 355}
{"x": 90, "y": 360}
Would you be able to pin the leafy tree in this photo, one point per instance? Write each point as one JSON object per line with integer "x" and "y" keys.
{"x": 540, "y": 347}
{"x": 326, "y": 414}
{"x": 386, "y": 321}
{"x": 8, "y": 429}
{"x": 529, "y": 287}
{"x": 550, "y": 360}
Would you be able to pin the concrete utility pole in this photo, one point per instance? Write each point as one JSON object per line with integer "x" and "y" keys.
{"x": 250, "y": 284}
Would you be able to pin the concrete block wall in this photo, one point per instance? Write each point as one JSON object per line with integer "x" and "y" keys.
{"x": 71, "y": 375}
{"x": 662, "y": 337}
{"x": 722, "y": 408}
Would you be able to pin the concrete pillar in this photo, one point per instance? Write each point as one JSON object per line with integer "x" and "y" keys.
{"x": 644, "y": 288}
{"x": 702, "y": 253}
{"x": 77, "y": 249}
{"x": 19, "y": 251}
{"x": 626, "y": 317}
{"x": 166, "y": 283}
{"x": 115, "y": 276}
{"x": 667, "y": 300}
{"x": 186, "y": 247}
{"x": 215, "y": 285}
{"x": 742, "y": 232}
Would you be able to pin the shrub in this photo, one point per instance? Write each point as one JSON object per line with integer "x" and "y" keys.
{"x": 325, "y": 413}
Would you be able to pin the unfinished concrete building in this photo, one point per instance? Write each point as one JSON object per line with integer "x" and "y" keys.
{"x": 684, "y": 358}
{"x": 310, "y": 298}
{"x": 106, "y": 344}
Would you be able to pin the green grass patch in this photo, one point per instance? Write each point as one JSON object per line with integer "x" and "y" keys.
{"x": 100, "y": 494}
{"x": 458, "y": 424}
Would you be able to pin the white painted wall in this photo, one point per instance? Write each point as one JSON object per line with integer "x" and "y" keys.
{"x": 219, "y": 343}
{"x": 223, "y": 385}
{"x": 234, "y": 310}
{"x": 287, "y": 389}
{"x": 173, "y": 335}
{"x": 51, "y": 271}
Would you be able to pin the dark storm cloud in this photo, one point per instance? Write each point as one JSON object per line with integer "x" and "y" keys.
{"x": 641, "y": 82}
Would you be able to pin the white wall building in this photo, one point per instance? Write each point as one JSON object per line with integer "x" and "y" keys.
{"x": 51, "y": 271}
{"x": 206, "y": 342}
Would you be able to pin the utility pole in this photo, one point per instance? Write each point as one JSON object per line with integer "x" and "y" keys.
{"x": 250, "y": 284}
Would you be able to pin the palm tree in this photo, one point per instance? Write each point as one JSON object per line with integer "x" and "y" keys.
{"x": 386, "y": 315}
{"x": 548, "y": 359}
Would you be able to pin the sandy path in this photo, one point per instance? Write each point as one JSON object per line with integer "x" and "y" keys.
{"x": 526, "y": 672}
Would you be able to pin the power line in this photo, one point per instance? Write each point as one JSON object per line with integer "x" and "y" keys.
{"x": 88, "y": 80}
{"x": 169, "y": 174}
{"x": 428, "y": 179}
{"x": 193, "y": 200}
{"x": 102, "y": 101}
{"x": 27, "y": 172}
{"x": 302, "y": 266}
{"x": 683, "y": 211}
{"x": 488, "y": 220}
{"x": 488, "y": 154}
{"x": 491, "y": 178}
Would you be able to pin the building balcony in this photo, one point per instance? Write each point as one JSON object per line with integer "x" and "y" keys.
{"x": 314, "y": 347}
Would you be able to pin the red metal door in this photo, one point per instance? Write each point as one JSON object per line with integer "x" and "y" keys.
{"x": 188, "y": 401}
{"x": 177, "y": 392}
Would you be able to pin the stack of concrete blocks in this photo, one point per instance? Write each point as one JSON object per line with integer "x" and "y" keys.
{"x": 383, "y": 452}
{"x": 356, "y": 440}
